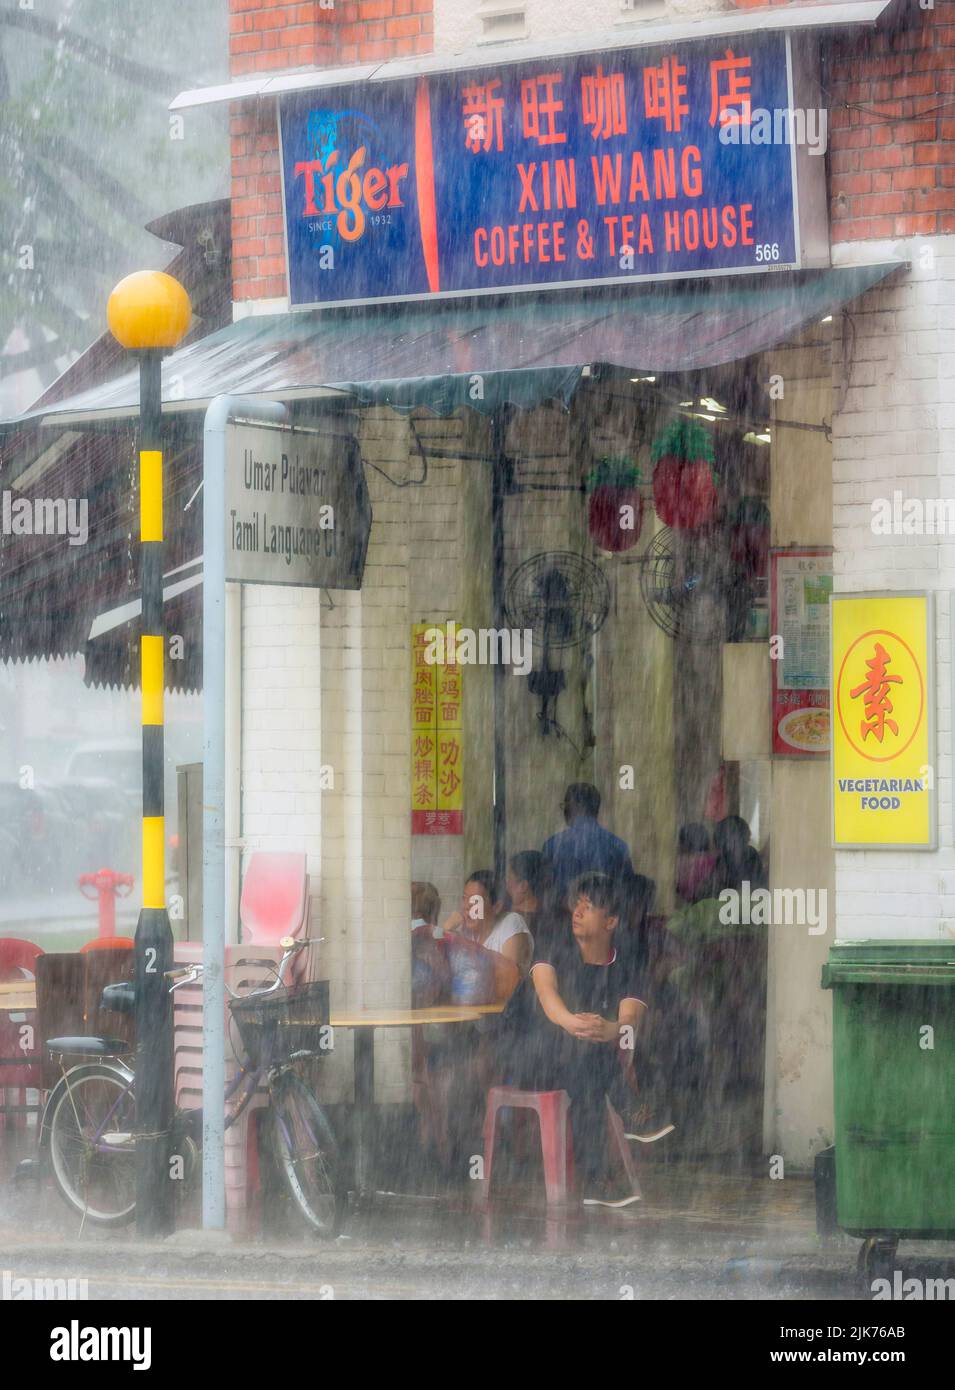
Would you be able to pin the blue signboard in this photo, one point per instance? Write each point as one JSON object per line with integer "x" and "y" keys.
{"x": 584, "y": 169}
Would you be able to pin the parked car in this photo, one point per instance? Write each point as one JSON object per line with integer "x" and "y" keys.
{"x": 32, "y": 830}
{"x": 117, "y": 760}
{"x": 104, "y": 829}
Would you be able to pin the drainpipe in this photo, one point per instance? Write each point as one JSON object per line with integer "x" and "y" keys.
{"x": 222, "y": 412}
{"x": 499, "y": 488}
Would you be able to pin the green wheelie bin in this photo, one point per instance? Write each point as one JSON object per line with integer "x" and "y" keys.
{"x": 893, "y": 1060}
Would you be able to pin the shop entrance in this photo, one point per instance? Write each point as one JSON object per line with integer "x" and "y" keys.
{"x": 633, "y": 550}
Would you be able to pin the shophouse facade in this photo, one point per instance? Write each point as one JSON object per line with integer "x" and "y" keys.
{"x": 879, "y": 375}
{"x": 836, "y": 385}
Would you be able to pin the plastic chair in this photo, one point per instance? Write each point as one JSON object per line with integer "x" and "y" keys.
{"x": 19, "y": 1070}
{"x": 274, "y": 901}
{"x": 17, "y": 958}
{"x": 109, "y": 943}
{"x": 553, "y": 1115}
{"x": 245, "y": 967}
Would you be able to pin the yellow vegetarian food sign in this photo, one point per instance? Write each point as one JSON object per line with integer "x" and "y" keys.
{"x": 883, "y": 723}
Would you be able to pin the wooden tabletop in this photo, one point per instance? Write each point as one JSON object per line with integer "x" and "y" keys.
{"x": 412, "y": 1018}
{"x": 16, "y": 995}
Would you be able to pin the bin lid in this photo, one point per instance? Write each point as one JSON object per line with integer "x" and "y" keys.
{"x": 915, "y": 962}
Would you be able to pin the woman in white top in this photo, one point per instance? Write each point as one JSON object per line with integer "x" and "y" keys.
{"x": 482, "y": 917}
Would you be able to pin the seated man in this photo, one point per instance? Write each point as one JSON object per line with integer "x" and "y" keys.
{"x": 572, "y": 1025}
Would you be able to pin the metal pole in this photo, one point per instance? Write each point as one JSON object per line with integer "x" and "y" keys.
{"x": 499, "y": 485}
{"x": 153, "y": 954}
{"x": 219, "y": 415}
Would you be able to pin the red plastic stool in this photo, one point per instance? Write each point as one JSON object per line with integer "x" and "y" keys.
{"x": 553, "y": 1114}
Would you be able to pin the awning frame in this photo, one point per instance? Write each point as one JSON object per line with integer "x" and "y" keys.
{"x": 632, "y": 34}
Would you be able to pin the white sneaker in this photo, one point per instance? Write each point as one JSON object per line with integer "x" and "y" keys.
{"x": 651, "y": 1136}
{"x": 611, "y": 1202}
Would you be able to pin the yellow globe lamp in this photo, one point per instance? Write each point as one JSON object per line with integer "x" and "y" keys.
{"x": 149, "y": 310}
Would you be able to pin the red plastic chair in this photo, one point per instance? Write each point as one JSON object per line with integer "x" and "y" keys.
{"x": 19, "y": 1070}
{"x": 17, "y": 958}
{"x": 274, "y": 901}
{"x": 109, "y": 943}
{"x": 553, "y": 1115}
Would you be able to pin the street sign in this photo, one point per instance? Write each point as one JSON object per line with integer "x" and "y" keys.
{"x": 659, "y": 162}
{"x": 296, "y": 508}
{"x": 883, "y": 727}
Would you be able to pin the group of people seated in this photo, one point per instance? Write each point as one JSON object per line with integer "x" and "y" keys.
{"x": 559, "y": 933}
{"x": 566, "y": 945}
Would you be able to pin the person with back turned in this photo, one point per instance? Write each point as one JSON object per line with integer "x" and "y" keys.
{"x": 585, "y": 846}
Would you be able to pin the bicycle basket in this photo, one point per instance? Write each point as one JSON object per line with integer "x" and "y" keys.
{"x": 273, "y": 1026}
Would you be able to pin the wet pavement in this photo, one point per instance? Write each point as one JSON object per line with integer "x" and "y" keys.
{"x": 707, "y": 1230}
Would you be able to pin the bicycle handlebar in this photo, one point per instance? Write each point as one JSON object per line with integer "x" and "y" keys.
{"x": 189, "y": 974}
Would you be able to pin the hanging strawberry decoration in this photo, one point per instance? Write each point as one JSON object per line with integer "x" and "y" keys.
{"x": 615, "y": 509}
{"x": 684, "y": 480}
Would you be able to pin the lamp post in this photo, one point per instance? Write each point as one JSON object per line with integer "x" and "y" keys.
{"x": 149, "y": 313}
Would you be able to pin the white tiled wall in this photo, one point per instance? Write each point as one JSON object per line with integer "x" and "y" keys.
{"x": 326, "y": 682}
{"x": 894, "y": 427}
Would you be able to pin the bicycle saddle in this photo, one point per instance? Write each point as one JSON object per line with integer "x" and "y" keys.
{"x": 90, "y": 1047}
{"x": 119, "y": 999}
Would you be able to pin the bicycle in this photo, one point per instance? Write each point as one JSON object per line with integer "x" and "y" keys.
{"x": 88, "y": 1130}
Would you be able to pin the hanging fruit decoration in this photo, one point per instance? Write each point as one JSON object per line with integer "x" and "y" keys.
{"x": 615, "y": 509}
{"x": 749, "y": 538}
{"x": 684, "y": 479}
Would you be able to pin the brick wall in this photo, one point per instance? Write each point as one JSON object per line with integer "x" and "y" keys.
{"x": 268, "y": 36}
{"x": 892, "y": 123}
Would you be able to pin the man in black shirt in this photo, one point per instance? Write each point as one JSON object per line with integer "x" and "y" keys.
{"x": 572, "y": 1024}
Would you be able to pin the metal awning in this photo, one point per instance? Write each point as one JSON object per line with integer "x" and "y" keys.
{"x": 641, "y": 34}
{"x": 526, "y": 348}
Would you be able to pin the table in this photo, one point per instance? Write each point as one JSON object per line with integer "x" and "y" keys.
{"x": 17, "y": 996}
{"x": 364, "y": 1022}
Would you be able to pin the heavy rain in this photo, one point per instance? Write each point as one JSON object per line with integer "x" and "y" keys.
{"x": 476, "y": 789}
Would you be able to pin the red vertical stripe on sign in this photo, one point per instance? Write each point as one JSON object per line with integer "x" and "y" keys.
{"x": 424, "y": 176}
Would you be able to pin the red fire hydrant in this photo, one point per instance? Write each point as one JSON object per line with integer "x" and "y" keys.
{"x": 107, "y": 885}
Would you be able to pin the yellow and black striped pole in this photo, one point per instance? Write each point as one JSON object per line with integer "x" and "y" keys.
{"x": 149, "y": 312}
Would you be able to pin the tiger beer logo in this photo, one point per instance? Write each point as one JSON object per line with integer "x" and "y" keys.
{"x": 880, "y": 695}
{"x": 345, "y": 192}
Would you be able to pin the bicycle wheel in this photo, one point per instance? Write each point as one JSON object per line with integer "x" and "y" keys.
{"x": 306, "y": 1153}
{"x": 92, "y": 1151}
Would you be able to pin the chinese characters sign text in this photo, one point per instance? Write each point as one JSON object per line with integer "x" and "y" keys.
{"x": 590, "y": 168}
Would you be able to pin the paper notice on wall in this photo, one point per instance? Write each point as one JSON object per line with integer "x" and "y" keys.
{"x": 800, "y": 586}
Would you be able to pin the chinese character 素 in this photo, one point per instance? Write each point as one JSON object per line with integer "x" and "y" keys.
{"x": 875, "y": 696}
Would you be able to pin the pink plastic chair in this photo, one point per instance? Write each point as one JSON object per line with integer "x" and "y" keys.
{"x": 553, "y": 1115}
{"x": 274, "y": 901}
{"x": 18, "y": 1070}
{"x": 245, "y": 967}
